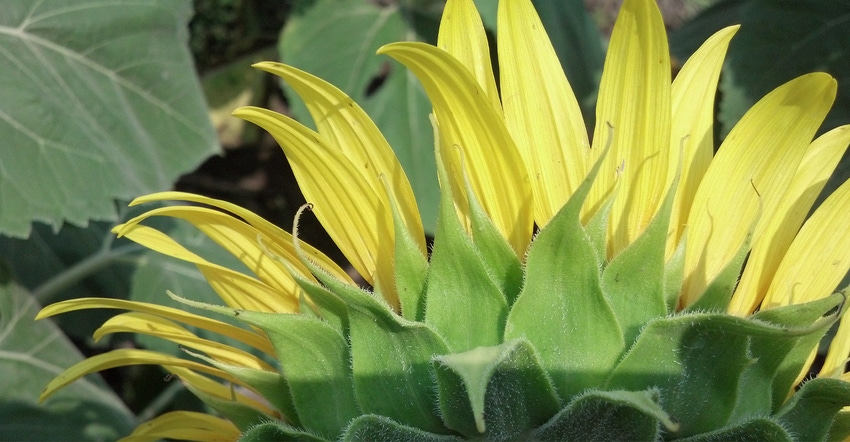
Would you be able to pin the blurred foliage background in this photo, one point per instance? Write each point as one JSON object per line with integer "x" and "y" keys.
{"x": 101, "y": 103}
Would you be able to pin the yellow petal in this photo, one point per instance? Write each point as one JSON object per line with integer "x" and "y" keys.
{"x": 817, "y": 260}
{"x": 236, "y": 289}
{"x": 184, "y": 425}
{"x": 474, "y": 140}
{"x": 124, "y": 357}
{"x": 143, "y": 323}
{"x": 257, "y": 252}
{"x": 462, "y": 35}
{"x": 541, "y": 110}
{"x": 281, "y": 238}
{"x": 216, "y": 389}
{"x": 749, "y": 175}
{"x": 347, "y": 127}
{"x": 355, "y": 216}
{"x": 244, "y": 336}
{"x": 817, "y": 165}
{"x": 839, "y": 350}
{"x": 692, "y": 130}
{"x": 634, "y": 97}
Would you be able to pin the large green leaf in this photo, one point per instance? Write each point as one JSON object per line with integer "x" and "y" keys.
{"x": 31, "y": 354}
{"x": 337, "y": 40}
{"x": 100, "y": 102}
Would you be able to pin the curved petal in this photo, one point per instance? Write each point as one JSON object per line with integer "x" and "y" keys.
{"x": 815, "y": 169}
{"x": 124, "y": 357}
{"x": 838, "y": 352}
{"x": 241, "y": 240}
{"x": 236, "y": 289}
{"x": 541, "y": 110}
{"x": 147, "y": 324}
{"x": 347, "y": 127}
{"x": 750, "y": 173}
{"x": 692, "y": 130}
{"x": 463, "y": 36}
{"x": 216, "y": 389}
{"x": 244, "y": 336}
{"x": 280, "y": 237}
{"x": 352, "y": 212}
{"x": 817, "y": 260}
{"x": 469, "y": 127}
{"x": 184, "y": 425}
{"x": 634, "y": 98}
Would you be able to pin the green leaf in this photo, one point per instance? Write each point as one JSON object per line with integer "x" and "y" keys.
{"x": 31, "y": 354}
{"x": 100, "y": 102}
{"x": 810, "y": 412}
{"x": 561, "y": 309}
{"x": 691, "y": 359}
{"x": 315, "y": 360}
{"x": 756, "y": 430}
{"x": 633, "y": 282}
{"x": 275, "y": 430}
{"x": 499, "y": 392}
{"x": 607, "y": 416}
{"x": 380, "y": 428}
{"x": 462, "y": 300}
{"x": 321, "y": 41}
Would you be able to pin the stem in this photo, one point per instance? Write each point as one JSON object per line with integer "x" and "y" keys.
{"x": 81, "y": 270}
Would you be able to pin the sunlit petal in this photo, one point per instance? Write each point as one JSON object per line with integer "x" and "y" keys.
{"x": 750, "y": 173}
{"x": 236, "y": 289}
{"x": 839, "y": 350}
{"x": 469, "y": 127}
{"x": 634, "y": 98}
{"x": 216, "y": 389}
{"x": 463, "y": 36}
{"x": 817, "y": 260}
{"x": 691, "y": 135}
{"x": 281, "y": 238}
{"x": 354, "y": 214}
{"x": 184, "y": 425}
{"x": 245, "y": 336}
{"x": 143, "y": 323}
{"x": 816, "y": 167}
{"x": 541, "y": 111}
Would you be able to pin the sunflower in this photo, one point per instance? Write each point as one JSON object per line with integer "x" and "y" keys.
{"x": 576, "y": 288}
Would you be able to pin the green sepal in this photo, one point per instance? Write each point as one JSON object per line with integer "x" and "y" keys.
{"x": 500, "y": 392}
{"x": 243, "y": 416}
{"x": 326, "y": 305}
{"x": 840, "y": 429}
{"x": 633, "y": 282}
{"x": 561, "y": 309}
{"x": 497, "y": 255}
{"x": 390, "y": 356}
{"x": 275, "y": 430}
{"x": 271, "y": 385}
{"x": 372, "y": 427}
{"x": 765, "y": 385}
{"x": 314, "y": 359}
{"x": 674, "y": 274}
{"x": 691, "y": 359}
{"x": 597, "y": 227}
{"x": 462, "y": 300}
{"x": 411, "y": 269}
{"x": 718, "y": 293}
{"x": 756, "y": 430}
{"x": 607, "y": 415}
{"x": 810, "y": 412}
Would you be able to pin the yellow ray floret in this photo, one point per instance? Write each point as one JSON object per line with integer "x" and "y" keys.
{"x": 185, "y": 425}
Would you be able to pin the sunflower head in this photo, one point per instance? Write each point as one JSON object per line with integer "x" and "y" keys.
{"x": 631, "y": 285}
